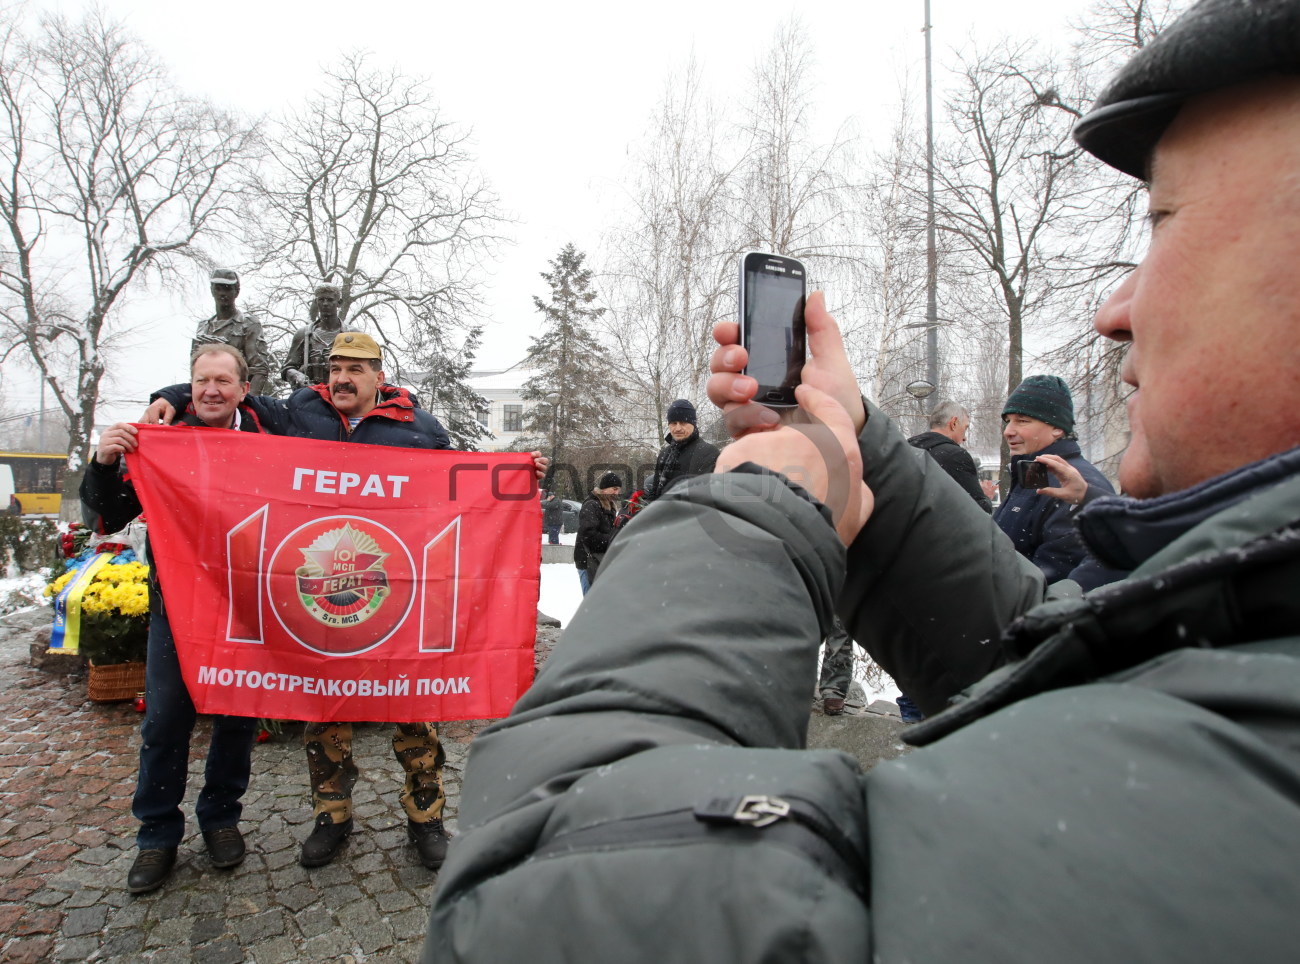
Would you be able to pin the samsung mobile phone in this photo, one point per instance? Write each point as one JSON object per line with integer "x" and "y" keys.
{"x": 1034, "y": 475}
{"x": 772, "y": 294}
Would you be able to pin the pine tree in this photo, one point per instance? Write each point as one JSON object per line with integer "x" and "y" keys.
{"x": 445, "y": 390}
{"x": 569, "y": 361}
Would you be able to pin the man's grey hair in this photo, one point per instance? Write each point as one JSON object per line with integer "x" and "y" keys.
{"x": 218, "y": 348}
{"x": 945, "y": 412}
{"x": 328, "y": 288}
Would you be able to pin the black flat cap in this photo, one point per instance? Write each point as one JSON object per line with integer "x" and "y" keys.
{"x": 1214, "y": 45}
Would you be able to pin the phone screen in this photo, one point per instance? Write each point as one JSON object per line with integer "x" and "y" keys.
{"x": 1034, "y": 475}
{"x": 773, "y": 324}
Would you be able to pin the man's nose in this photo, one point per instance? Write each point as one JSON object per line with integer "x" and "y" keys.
{"x": 1112, "y": 318}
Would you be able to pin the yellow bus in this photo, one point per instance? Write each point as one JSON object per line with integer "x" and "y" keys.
{"x": 38, "y": 480}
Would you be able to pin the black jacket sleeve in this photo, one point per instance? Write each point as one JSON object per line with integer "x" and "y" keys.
{"x": 932, "y": 581}
{"x": 960, "y": 465}
{"x": 108, "y": 500}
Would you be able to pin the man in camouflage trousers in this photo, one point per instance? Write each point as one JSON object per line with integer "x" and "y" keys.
{"x": 333, "y": 774}
{"x": 239, "y": 329}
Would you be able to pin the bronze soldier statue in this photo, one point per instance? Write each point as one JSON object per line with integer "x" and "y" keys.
{"x": 239, "y": 329}
{"x": 308, "y": 360}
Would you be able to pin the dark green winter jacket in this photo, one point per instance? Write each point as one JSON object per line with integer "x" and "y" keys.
{"x": 1120, "y": 780}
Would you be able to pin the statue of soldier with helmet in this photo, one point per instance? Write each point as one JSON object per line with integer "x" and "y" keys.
{"x": 239, "y": 329}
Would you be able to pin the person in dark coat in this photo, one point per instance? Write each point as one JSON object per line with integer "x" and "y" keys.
{"x": 552, "y": 516}
{"x": 685, "y": 454}
{"x": 220, "y": 381}
{"x": 949, "y": 423}
{"x": 596, "y": 527}
{"x": 1039, "y": 419}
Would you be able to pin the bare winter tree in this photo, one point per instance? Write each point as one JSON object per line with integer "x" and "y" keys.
{"x": 793, "y": 193}
{"x": 1007, "y": 184}
{"x": 667, "y": 270}
{"x": 1107, "y": 35}
{"x": 107, "y": 175}
{"x": 370, "y": 188}
{"x": 884, "y": 341}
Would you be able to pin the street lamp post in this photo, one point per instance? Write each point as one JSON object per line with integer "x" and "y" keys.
{"x": 931, "y": 250}
{"x": 921, "y": 389}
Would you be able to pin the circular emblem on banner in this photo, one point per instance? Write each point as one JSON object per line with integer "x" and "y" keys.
{"x": 341, "y": 585}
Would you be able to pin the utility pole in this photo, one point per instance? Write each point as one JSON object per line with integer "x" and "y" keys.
{"x": 931, "y": 252}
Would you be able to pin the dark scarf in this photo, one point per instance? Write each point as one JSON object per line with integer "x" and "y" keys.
{"x": 670, "y": 457}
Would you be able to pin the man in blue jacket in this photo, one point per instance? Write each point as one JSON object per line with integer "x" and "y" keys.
{"x": 219, "y": 384}
{"x": 1039, "y": 418}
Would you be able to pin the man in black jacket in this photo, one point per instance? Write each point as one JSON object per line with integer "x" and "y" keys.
{"x": 219, "y": 384}
{"x": 1039, "y": 420}
{"x": 685, "y": 454}
{"x": 949, "y": 423}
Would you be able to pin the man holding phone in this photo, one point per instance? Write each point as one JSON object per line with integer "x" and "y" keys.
{"x": 1113, "y": 775}
{"x": 1039, "y": 420}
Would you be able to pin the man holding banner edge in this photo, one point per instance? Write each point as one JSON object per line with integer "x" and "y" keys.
{"x": 220, "y": 384}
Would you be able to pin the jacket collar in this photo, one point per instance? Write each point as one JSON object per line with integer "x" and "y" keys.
{"x": 1123, "y": 532}
{"x": 248, "y": 420}
{"x": 394, "y": 403}
{"x": 1224, "y": 575}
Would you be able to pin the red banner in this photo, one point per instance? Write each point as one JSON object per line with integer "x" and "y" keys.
{"x": 329, "y": 581}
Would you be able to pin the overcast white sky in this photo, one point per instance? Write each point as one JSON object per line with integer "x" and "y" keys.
{"x": 554, "y": 94}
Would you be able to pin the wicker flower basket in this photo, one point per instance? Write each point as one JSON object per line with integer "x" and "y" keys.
{"x": 115, "y": 682}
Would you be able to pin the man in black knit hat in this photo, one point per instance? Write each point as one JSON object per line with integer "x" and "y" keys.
{"x": 685, "y": 453}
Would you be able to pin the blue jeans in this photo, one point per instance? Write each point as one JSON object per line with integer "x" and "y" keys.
{"x": 553, "y": 535}
{"x": 585, "y": 580}
{"x": 909, "y": 711}
{"x": 165, "y": 752}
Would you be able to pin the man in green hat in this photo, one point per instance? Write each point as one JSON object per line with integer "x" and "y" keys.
{"x": 1038, "y": 421}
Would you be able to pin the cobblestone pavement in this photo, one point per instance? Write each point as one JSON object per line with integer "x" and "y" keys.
{"x": 67, "y": 773}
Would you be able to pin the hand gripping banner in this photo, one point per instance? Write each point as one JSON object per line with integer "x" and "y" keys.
{"x": 328, "y": 581}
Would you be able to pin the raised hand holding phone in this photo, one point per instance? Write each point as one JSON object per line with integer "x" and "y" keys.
{"x": 773, "y": 291}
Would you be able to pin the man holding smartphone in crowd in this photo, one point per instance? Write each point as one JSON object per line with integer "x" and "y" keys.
{"x": 1116, "y": 776}
{"x": 1039, "y": 420}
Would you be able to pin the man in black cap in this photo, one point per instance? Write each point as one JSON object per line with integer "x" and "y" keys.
{"x": 1115, "y": 777}
{"x": 239, "y": 329}
{"x": 685, "y": 454}
{"x": 1039, "y": 421}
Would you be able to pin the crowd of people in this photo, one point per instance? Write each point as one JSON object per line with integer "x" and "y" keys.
{"x": 1108, "y": 684}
